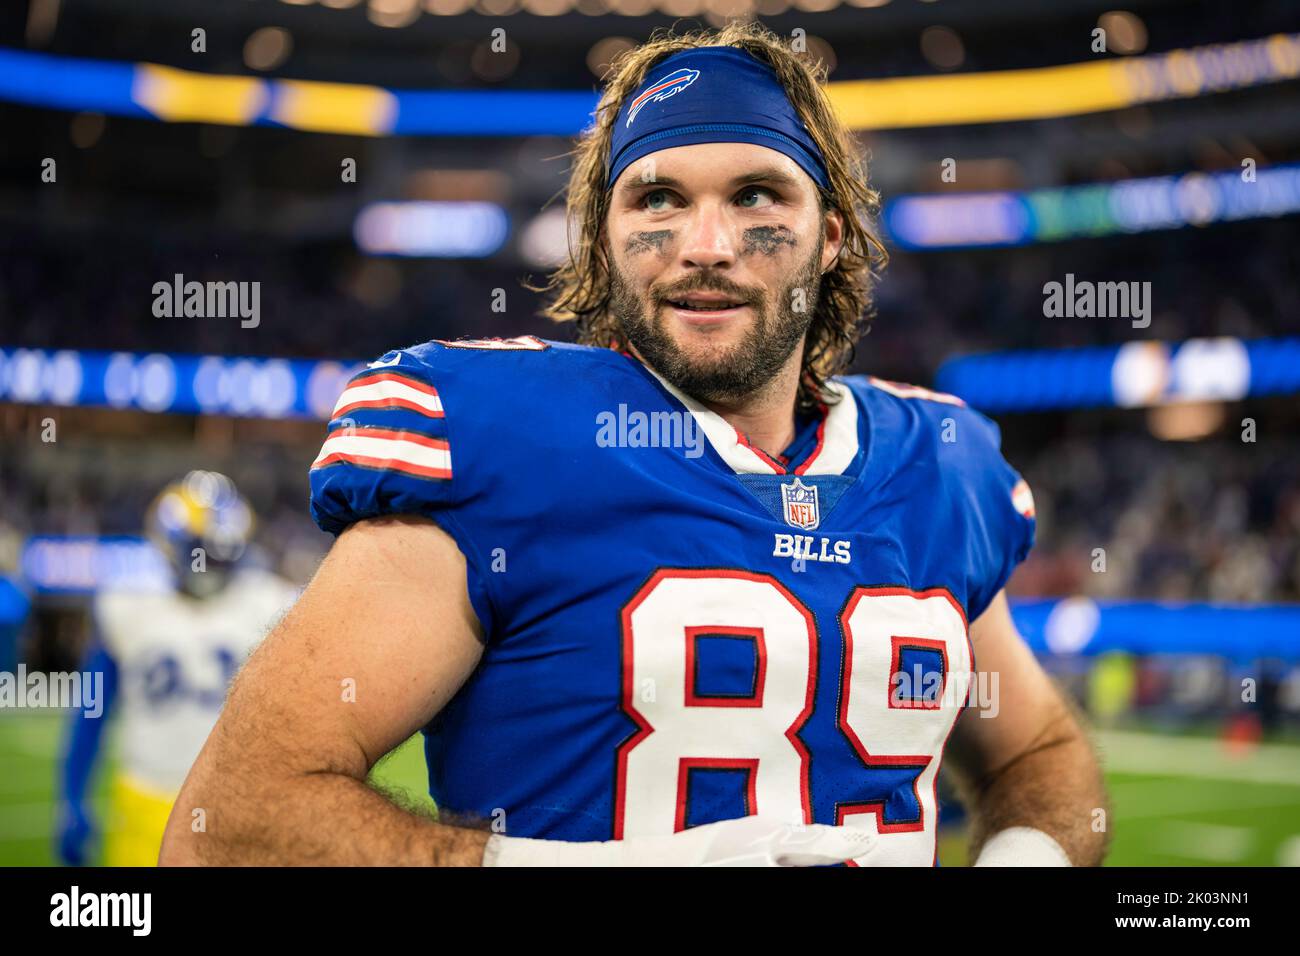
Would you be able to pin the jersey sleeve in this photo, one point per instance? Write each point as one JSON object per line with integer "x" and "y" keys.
{"x": 389, "y": 451}
{"x": 999, "y": 509}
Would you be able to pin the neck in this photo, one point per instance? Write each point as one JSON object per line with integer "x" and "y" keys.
{"x": 766, "y": 417}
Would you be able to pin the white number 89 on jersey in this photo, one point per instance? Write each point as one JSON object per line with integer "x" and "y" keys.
{"x": 904, "y": 671}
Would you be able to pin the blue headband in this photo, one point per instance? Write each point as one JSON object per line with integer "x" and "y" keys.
{"x": 712, "y": 94}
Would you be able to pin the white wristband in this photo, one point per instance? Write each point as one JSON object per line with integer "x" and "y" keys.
{"x": 1022, "y": 846}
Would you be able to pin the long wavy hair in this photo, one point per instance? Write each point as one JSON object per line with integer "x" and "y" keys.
{"x": 579, "y": 290}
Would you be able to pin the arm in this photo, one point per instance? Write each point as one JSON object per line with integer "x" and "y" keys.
{"x": 85, "y": 736}
{"x": 282, "y": 777}
{"x": 1028, "y": 762}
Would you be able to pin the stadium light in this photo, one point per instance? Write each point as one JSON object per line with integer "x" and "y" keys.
{"x": 393, "y": 13}
{"x": 267, "y": 48}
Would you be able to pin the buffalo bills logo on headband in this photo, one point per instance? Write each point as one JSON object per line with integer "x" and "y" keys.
{"x": 674, "y": 82}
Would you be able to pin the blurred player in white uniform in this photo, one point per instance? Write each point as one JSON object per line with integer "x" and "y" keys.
{"x": 167, "y": 659}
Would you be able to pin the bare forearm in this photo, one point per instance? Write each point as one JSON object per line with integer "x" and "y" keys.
{"x": 1055, "y": 786}
{"x": 319, "y": 819}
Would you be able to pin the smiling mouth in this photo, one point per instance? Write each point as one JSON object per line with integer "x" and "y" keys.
{"x": 693, "y": 304}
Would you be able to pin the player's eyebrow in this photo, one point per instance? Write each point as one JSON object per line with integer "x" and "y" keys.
{"x": 767, "y": 174}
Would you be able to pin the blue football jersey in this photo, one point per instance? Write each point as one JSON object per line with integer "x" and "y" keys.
{"x": 679, "y": 628}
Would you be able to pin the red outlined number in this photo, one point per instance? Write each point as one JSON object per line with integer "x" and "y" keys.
{"x": 670, "y": 728}
{"x": 678, "y": 730}
{"x": 892, "y": 736}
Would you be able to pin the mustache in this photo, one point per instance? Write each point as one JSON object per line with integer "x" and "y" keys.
{"x": 732, "y": 292}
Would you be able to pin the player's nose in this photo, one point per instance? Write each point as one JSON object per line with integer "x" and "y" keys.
{"x": 708, "y": 241}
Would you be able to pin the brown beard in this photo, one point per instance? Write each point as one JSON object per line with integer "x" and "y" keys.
{"x": 725, "y": 376}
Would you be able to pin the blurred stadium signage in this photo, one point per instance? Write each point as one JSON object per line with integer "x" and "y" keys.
{"x": 1080, "y": 625}
{"x": 1135, "y": 374}
{"x": 60, "y": 564}
{"x": 147, "y": 90}
{"x": 1101, "y": 209}
{"x": 186, "y": 384}
{"x": 1132, "y": 375}
{"x": 460, "y": 230}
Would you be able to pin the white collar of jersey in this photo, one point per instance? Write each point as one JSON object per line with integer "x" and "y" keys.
{"x": 838, "y": 448}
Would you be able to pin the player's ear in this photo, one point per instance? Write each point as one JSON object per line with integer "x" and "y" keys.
{"x": 834, "y": 238}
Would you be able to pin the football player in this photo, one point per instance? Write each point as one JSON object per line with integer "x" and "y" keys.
{"x": 682, "y": 593}
{"x": 167, "y": 660}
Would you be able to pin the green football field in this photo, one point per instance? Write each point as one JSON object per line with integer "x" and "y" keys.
{"x": 1176, "y": 800}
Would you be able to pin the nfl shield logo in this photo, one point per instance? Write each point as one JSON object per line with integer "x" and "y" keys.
{"x": 799, "y": 503}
